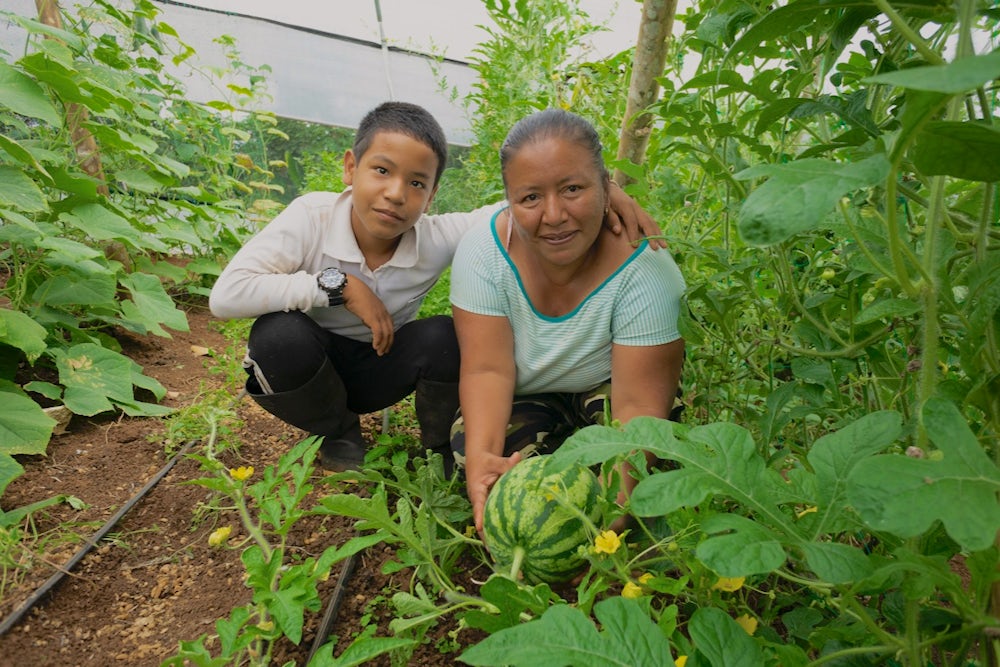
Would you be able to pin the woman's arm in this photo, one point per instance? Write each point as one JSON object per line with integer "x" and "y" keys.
{"x": 644, "y": 382}
{"x": 486, "y": 390}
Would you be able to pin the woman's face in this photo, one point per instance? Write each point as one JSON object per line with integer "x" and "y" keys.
{"x": 557, "y": 197}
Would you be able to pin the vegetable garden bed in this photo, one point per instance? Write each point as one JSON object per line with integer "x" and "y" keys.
{"x": 154, "y": 580}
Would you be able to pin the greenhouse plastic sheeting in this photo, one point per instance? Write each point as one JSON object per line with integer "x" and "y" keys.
{"x": 317, "y": 77}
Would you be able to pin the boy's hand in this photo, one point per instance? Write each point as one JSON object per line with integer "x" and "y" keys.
{"x": 623, "y": 211}
{"x": 360, "y": 300}
{"x": 480, "y": 475}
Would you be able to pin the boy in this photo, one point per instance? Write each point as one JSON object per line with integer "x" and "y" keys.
{"x": 335, "y": 282}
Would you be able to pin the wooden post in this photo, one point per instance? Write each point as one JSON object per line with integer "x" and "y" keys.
{"x": 650, "y": 58}
{"x": 84, "y": 144}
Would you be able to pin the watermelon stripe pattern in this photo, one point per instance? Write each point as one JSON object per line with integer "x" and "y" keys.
{"x": 533, "y": 511}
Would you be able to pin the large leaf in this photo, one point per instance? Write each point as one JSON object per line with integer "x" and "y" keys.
{"x": 10, "y": 470}
{"x": 738, "y": 546}
{"x": 99, "y": 222}
{"x": 24, "y": 426}
{"x": 719, "y": 460}
{"x": 798, "y": 195}
{"x": 833, "y": 457}
{"x": 19, "y": 191}
{"x": 963, "y": 150}
{"x": 92, "y": 376}
{"x": 957, "y": 485}
{"x": 837, "y": 563}
{"x": 722, "y": 641}
{"x": 20, "y": 331}
{"x": 151, "y": 306}
{"x": 956, "y": 77}
{"x": 21, "y": 94}
{"x": 596, "y": 444}
{"x": 565, "y": 636}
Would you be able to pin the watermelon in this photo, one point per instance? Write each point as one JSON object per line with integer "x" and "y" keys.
{"x": 533, "y": 520}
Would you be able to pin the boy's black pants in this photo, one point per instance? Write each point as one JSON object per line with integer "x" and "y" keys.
{"x": 286, "y": 349}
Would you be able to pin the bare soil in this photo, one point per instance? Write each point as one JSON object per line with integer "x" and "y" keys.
{"x": 154, "y": 580}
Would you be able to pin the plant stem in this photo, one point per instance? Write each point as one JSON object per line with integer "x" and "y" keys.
{"x": 515, "y": 565}
{"x": 908, "y": 33}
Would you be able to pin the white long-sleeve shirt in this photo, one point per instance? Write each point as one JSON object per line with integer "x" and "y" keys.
{"x": 276, "y": 269}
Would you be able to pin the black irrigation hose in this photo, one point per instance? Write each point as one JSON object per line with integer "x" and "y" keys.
{"x": 52, "y": 581}
{"x": 333, "y": 608}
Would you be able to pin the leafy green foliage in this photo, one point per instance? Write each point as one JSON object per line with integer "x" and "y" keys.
{"x": 107, "y": 174}
{"x": 564, "y": 635}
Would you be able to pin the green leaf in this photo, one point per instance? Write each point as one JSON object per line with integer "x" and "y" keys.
{"x": 968, "y": 150}
{"x": 24, "y": 426}
{"x": 10, "y": 470}
{"x": 776, "y": 24}
{"x": 565, "y": 636}
{"x": 141, "y": 181}
{"x": 22, "y": 155}
{"x": 92, "y": 375}
{"x": 19, "y": 191}
{"x": 21, "y": 94}
{"x": 69, "y": 290}
{"x": 72, "y": 251}
{"x": 718, "y": 459}
{"x": 596, "y": 444}
{"x": 362, "y": 650}
{"x": 834, "y": 456}
{"x": 983, "y": 299}
{"x": 798, "y": 195}
{"x": 722, "y": 641}
{"x": 887, "y": 309}
{"x": 150, "y": 305}
{"x": 102, "y": 224}
{"x": 510, "y": 599}
{"x": 738, "y": 546}
{"x": 905, "y": 496}
{"x": 837, "y": 563}
{"x": 955, "y": 77}
{"x": 20, "y": 331}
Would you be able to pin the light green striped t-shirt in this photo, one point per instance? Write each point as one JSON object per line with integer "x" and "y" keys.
{"x": 637, "y": 305}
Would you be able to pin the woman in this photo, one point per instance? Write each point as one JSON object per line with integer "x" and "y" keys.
{"x": 554, "y": 314}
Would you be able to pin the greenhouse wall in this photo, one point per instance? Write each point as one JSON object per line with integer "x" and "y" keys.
{"x": 315, "y": 76}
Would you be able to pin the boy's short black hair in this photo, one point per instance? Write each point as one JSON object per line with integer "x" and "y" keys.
{"x": 410, "y": 119}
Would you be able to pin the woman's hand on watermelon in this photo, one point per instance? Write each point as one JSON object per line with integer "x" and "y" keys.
{"x": 480, "y": 475}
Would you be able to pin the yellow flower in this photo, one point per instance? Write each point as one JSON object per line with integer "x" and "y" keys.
{"x": 266, "y": 626}
{"x": 681, "y": 661}
{"x": 242, "y": 473}
{"x": 644, "y": 579}
{"x": 470, "y": 531}
{"x": 219, "y": 536}
{"x": 728, "y": 584}
{"x": 607, "y": 542}
{"x": 748, "y": 623}
{"x": 631, "y": 591}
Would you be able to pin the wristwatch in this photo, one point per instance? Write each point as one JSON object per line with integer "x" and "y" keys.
{"x": 332, "y": 281}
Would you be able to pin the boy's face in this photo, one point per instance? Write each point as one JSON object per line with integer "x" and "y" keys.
{"x": 393, "y": 185}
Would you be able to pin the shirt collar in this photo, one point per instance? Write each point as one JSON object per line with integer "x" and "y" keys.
{"x": 343, "y": 245}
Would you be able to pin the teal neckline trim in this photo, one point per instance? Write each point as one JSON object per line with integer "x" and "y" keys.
{"x": 520, "y": 284}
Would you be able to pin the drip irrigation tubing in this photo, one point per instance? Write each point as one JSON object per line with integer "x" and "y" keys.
{"x": 333, "y": 607}
{"x": 15, "y": 616}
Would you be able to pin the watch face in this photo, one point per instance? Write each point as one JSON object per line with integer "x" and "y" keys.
{"x": 332, "y": 280}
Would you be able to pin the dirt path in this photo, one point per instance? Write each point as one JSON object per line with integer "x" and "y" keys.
{"x": 154, "y": 580}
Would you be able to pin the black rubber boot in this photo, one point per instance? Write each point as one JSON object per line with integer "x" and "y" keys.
{"x": 436, "y": 404}
{"x": 319, "y": 407}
